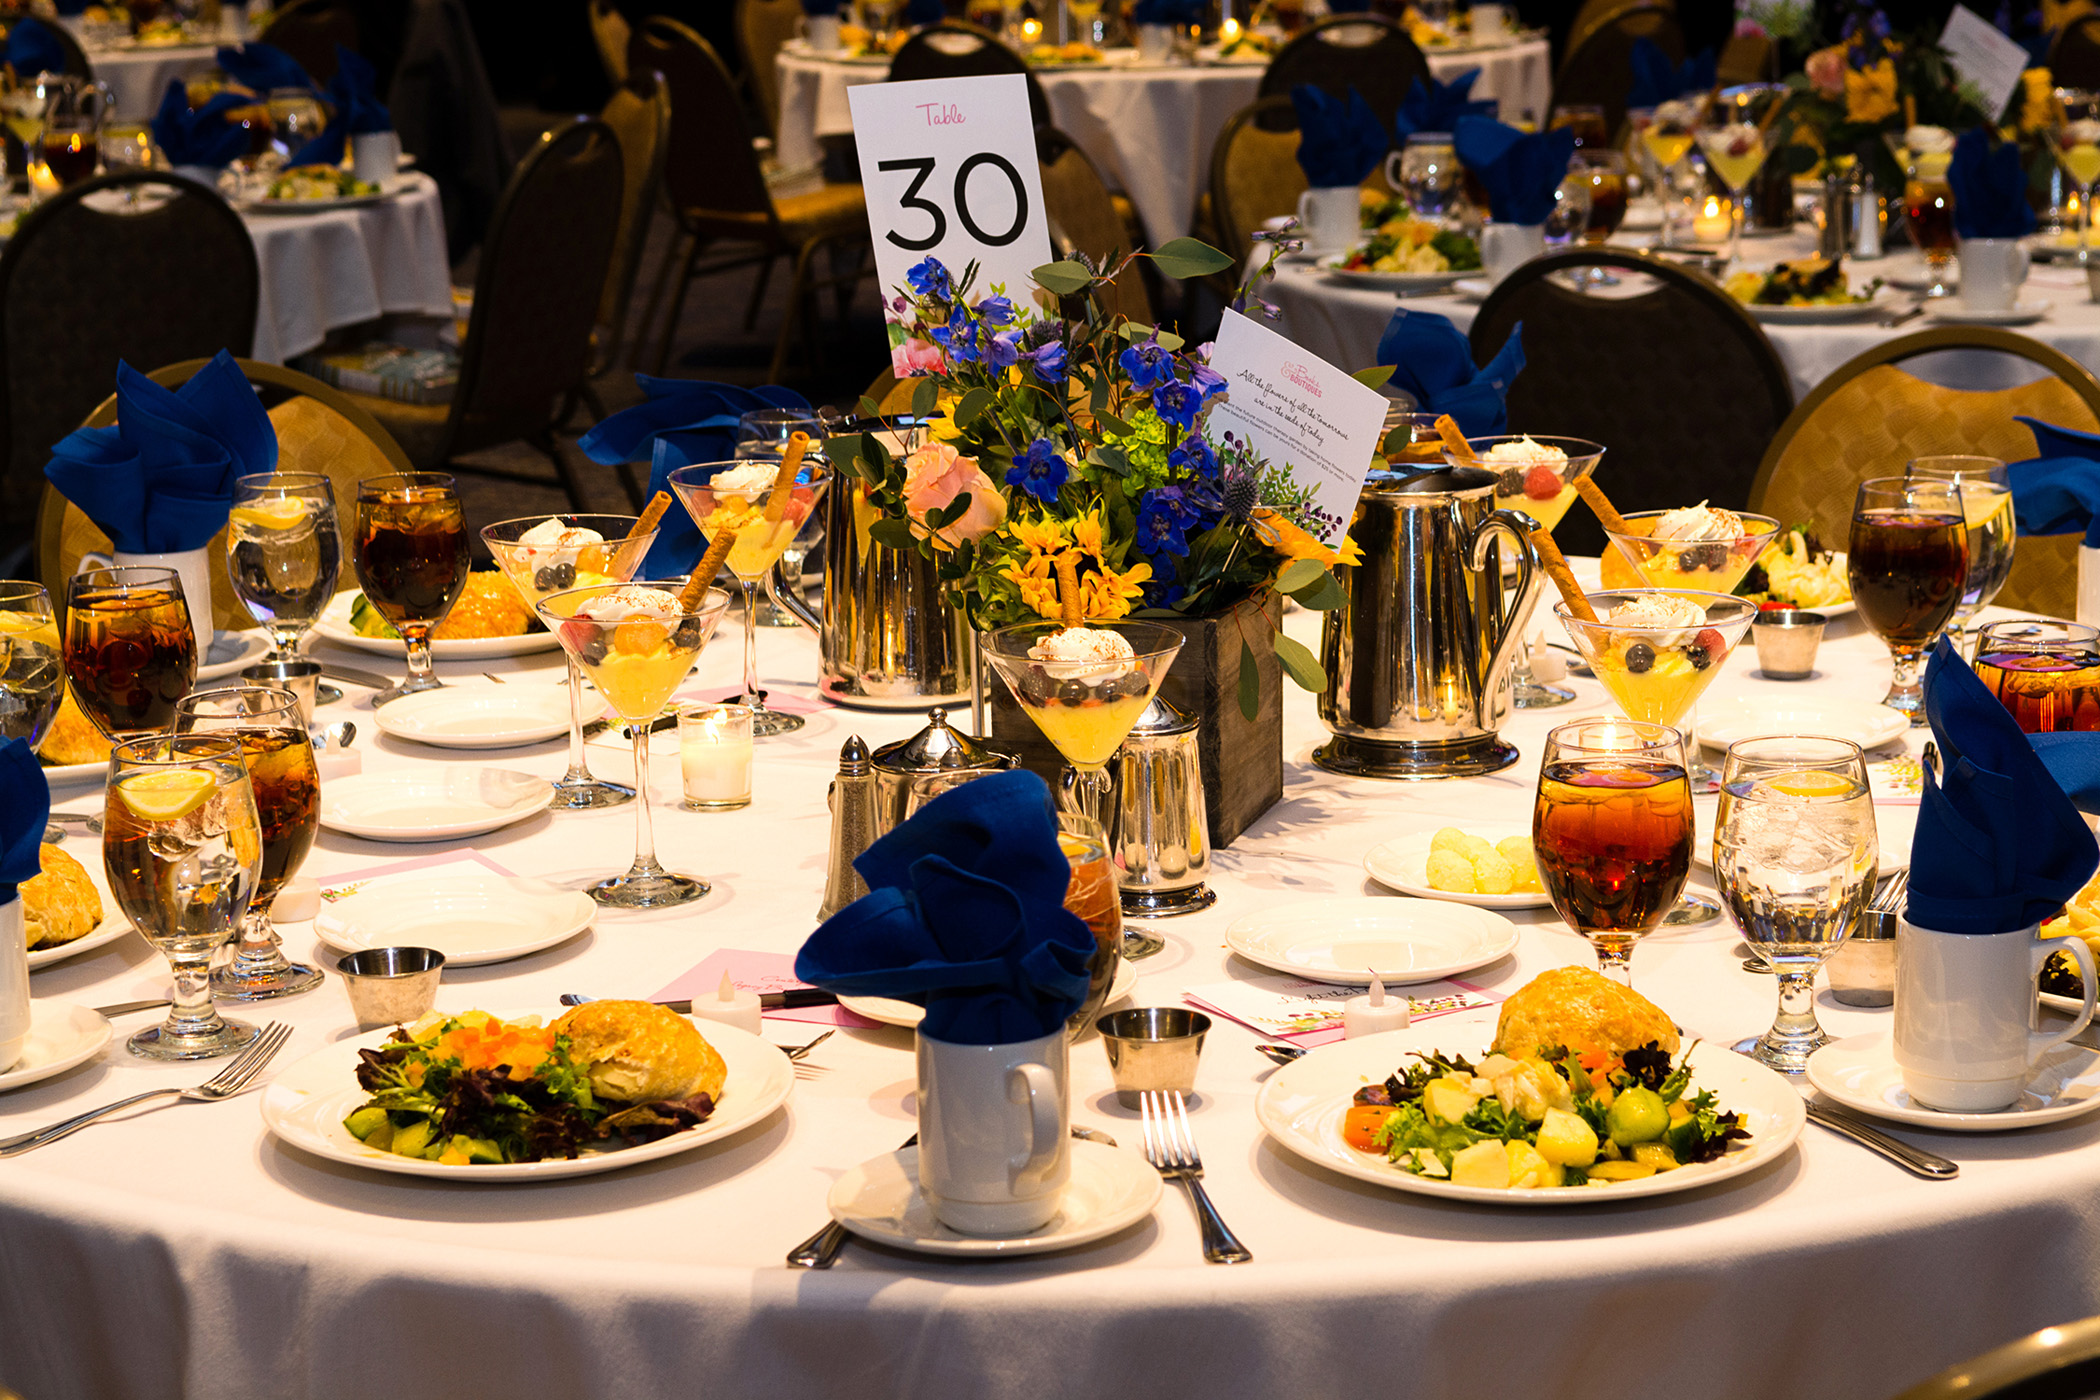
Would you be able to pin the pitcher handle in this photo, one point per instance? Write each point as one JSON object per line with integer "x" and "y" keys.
{"x": 790, "y": 600}
{"x": 1511, "y": 621}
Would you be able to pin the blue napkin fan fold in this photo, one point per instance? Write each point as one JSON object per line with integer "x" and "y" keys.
{"x": 1433, "y": 362}
{"x": 262, "y": 68}
{"x": 25, "y": 808}
{"x": 1519, "y": 170}
{"x": 1657, "y": 80}
{"x": 200, "y": 137}
{"x": 1340, "y": 139}
{"x": 919, "y": 12}
{"x": 358, "y": 111}
{"x": 1990, "y": 188}
{"x": 1438, "y": 106}
{"x": 2058, "y": 491}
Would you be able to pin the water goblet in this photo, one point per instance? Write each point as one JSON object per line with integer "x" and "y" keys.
{"x": 1987, "y": 514}
{"x": 1907, "y": 560}
{"x": 130, "y": 651}
{"x": 411, "y": 556}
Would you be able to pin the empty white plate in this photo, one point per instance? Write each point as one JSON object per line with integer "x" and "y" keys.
{"x": 484, "y": 716}
{"x": 2024, "y": 312}
{"x": 61, "y": 1035}
{"x": 1346, "y": 940}
{"x": 892, "y": 1012}
{"x": 1403, "y": 864}
{"x": 1860, "y": 1072}
{"x": 1111, "y": 1189}
{"x": 1722, "y": 722}
{"x": 431, "y": 804}
{"x": 471, "y": 919}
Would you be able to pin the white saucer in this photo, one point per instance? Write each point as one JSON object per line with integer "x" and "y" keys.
{"x": 61, "y": 1035}
{"x": 1345, "y": 940}
{"x": 1860, "y": 1072}
{"x": 471, "y": 919}
{"x": 1896, "y": 824}
{"x": 1722, "y": 722}
{"x": 892, "y": 1012}
{"x": 433, "y": 804}
{"x": 1472, "y": 288}
{"x": 229, "y": 652}
{"x": 1111, "y": 1189}
{"x": 484, "y": 716}
{"x": 2024, "y": 312}
{"x": 1403, "y": 864}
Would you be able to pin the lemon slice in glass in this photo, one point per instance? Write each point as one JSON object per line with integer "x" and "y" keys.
{"x": 271, "y": 513}
{"x": 164, "y": 796}
{"x": 1813, "y": 785}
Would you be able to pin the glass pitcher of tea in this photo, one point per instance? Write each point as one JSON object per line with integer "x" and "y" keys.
{"x": 69, "y": 143}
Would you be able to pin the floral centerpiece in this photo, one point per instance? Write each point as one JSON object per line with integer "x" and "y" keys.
{"x": 1857, "y": 97}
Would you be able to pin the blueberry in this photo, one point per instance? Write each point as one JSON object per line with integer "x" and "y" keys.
{"x": 544, "y": 580}
{"x": 1698, "y": 655}
{"x": 564, "y": 575}
{"x": 594, "y": 648}
{"x": 1639, "y": 657}
{"x": 1072, "y": 693}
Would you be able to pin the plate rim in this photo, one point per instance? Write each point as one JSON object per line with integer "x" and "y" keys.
{"x": 1096, "y": 1154}
{"x": 90, "y": 1046}
{"x": 113, "y": 927}
{"x": 2022, "y": 312}
{"x": 512, "y": 739}
{"x": 478, "y": 827}
{"x": 586, "y": 908}
{"x": 1342, "y": 978}
{"x": 1706, "y": 739}
{"x": 1392, "y": 281}
{"x": 1424, "y": 891}
{"x": 1938, "y": 1120}
{"x": 333, "y": 625}
{"x": 1821, "y": 314}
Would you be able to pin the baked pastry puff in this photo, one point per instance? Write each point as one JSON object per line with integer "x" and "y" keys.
{"x": 61, "y": 903}
{"x": 639, "y": 1052}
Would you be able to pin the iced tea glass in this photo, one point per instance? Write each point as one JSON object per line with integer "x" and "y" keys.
{"x": 1907, "y": 560}
{"x": 2046, "y": 673}
{"x": 411, "y": 555}
{"x": 131, "y": 652}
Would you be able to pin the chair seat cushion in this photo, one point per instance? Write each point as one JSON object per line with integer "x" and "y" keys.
{"x": 418, "y": 427}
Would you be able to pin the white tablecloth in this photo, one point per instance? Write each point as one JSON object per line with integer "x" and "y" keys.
{"x": 138, "y": 78}
{"x": 1149, "y": 128}
{"x": 179, "y": 1250}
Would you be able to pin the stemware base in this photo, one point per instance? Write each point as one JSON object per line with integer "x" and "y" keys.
{"x": 766, "y": 723}
{"x": 1785, "y": 1053}
{"x": 162, "y": 1042}
{"x": 584, "y": 794}
{"x": 1528, "y": 694}
{"x": 648, "y": 890}
{"x": 53, "y": 833}
{"x": 1690, "y": 911}
{"x": 1167, "y": 904}
{"x": 412, "y": 686}
{"x": 230, "y": 983}
{"x": 1138, "y": 945}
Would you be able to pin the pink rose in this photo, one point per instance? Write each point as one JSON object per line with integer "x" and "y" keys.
{"x": 1826, "y": 71}
{"x": 934, "y": 476}
{"x": 915, "y": 356}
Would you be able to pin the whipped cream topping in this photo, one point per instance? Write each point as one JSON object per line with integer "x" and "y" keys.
{"x": 1676, "y": 112}
{"x": 1699, "y": 522}
{"x": 1928, "y": 140}
{"x": 750, "y": 480}
{"x": 1094, "y": 653}
{"x": 551, "y": 542}
{"x": 1525, "y": 452}
{"x": 1657, "y": 610}
{"x": 620, "y": 604}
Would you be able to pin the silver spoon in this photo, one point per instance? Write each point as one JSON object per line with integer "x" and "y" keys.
{"x": 336, "y": 736}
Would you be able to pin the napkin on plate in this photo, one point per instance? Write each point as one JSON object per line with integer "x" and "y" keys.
{"x": 1519, "y": 171}
{"x": 161, "y": 480}
{"x": 262, "y": 68}
{"x": 1340, "y": 139}
{"x": 1433, "y": 362}
{"x": 698, "y": 421}
{"x": 1438, "y": 106}
{"x": 1656, "y": 80}
{"x": 1999, "y": 844}
{"x": 358, "y": 111}
{"x": 200, "y": 137}
{"x": 1990, "y": 188}
{"x": 25, "y": 807}
{"x": 32, "y": 48}
{"x": 965, "y": 915}
{"x": 2058, "y": 491}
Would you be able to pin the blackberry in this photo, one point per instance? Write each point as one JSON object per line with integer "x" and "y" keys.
{"x": 1698, "y": 655}
{"x": 1639, "y": 657}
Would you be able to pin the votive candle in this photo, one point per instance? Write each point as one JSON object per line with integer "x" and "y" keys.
{"x": 1711, "y": 223}
{"x": 714, "y": 754}
{"x": 1374, "y": 1012}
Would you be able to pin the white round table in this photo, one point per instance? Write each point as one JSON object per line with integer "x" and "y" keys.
{"x": 178, "y": 1249}
{"x": 138, "y": 77}
{"x": 1149, "y": 127}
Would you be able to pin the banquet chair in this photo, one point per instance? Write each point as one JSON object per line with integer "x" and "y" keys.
{"x": 2074, "y": 58}
{"x": 1363, "y": 51}
{"x": 68, "y": 312}
{"x": 610, "y": 33}
{"x": 1598, "y": 70}
{"x": 1083, "y": 218}
{"x": 957, "y": 50}
{"x": 1870, "y": 417}
{"x": 1594, "y": 15}
{"x": 77, "y": 64}
{"x": 718, "y": 193}
{"x": 2056, "y": 1363}
{"x": 309, "y": 30}
{"x": 639, "y": 115}
{"x": 1254, "y": 175}
{"x": 319, "y": 429}
{"x": 762, "y": 28}
{"x": 1678, "y": 382}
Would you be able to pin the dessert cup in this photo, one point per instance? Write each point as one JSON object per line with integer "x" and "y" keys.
{"x": 1639, "y": 560}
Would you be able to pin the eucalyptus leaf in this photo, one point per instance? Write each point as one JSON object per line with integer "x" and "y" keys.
{"x": 1168, "y": 339}
{"x": 974, "y": 405}
{"x": 925, "y": 398}
{"x": 1324, "y": 596}
{"x": 1397, "y": 441}
{"x": 1112, "y": 423}
{"x": 1250, "y": 682}
{"x": 1183, "y": 258}
{"x": 1374, "y": 377}
{"x": 1065, "y": 277}
{"x": 1298, "y": 660}
{"x": 844, "y": 451}
{"x": 893, "y": 532}
{"x": 869, "y": 408}
{"x": 1133, "y": 330}
{"x": 1299, "y": 573}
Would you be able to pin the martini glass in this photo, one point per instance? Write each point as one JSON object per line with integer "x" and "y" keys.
{"x": 1657, "y": 673}
{"x": 735, "y": 496}
{"x": 2075, "y": 142}
{"x": 636, "y": 642}
{"x": 1639, "y": 560}
{"x": 1734, "y": 146}
{"x": 588, "y": 553}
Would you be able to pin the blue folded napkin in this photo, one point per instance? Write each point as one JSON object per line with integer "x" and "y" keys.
{"x": 919, "y": 12}
{"x": 2058, "y": 491}
{"x": 69, "y": 8}
{"x": 1518, "y": 170}
{"x": 261, "y": 68}
{"x": 1990, "y": 188}
{"x": 1657, "y": 80}
{"x": 965, "y": 915}
{"x": 1340, "y": 139}
{"x": 25, "y": 807}
{"x": 1167, "y": 12}
{"x": 681, "y": 422}
{"x": 161, "y": 481}
{"x": 1999, "y": 844}
{"x": 201, "y": 137}
{"x": 32, "y": 48}
{"x": 358, "y": 111}
{"x": 1438, "y": 106}
{"x": 1433, "y": 362}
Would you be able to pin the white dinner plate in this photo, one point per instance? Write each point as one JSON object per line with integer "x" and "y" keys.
{"x": 1896, "y": 824}
{"x": 1472, "y": 288}
{"x": 75, "y": 772}
{"x": 1722, "y": 722}
{"x": 393, "y": 185}
{"x": 1302, "y": 1106}
{"x": 471, "y": 919}
{"x": 1346, "y": 940}
{"x": 1860, "y": 1072}
{"x": 1835, "y": 314}
{"x": 431, "y": 804}
{"x": 1403, "y": 864}
{"x": 306, "y": 1103}
{"x": 1111, "y": 1189}
{"x": 1391, "y": 281}
{"x": 484, "y": 716}
{"x": 61, "y": 1035}
{"x": 2023, "y": 312}
{"x": 230, "y": 651}
{"x": 892, "y": 1012}
{"x": 335, "y": 626}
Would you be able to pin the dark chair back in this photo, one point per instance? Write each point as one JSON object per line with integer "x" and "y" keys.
{"x": 74, "y": 300}
{"x": 1254, "y": 173}
{"x": 710, "y": 165}
{"x": 309, "y": 30}
{"x": 77, "y": 64}
{"x": 1678, "y": 383}
{"x": 1363, "y": 51}
{"x": 956, "y": 50}
{"x": 2056, "y": 1363}
{"x": 2074, "y": 59}
{"x": 1084, "y": 219}
{"x": 1598, "y": 71}
{"x": 762, "y": 28}
{"x": 639, "y": 114}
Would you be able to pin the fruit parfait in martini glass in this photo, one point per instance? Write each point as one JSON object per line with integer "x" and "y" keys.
{"x": 1699, "y": 547}
{"x": 637, "y": 642}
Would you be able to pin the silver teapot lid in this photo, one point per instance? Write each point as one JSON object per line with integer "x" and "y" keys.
{"x": 1161, "y": 717}
{"x": 939, "y": 748}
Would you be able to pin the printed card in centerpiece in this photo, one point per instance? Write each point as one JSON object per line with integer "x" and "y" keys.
{"x": 1304, "y": 416}
{"x": 1310, "y": 1013}
{"x": 1982, "y": 56}
{"x": 950, "y": 170}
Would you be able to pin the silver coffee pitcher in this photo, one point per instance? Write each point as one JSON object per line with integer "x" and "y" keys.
{"x": 912, "y": 772}
{"x": 1418, "y": 656}
{"x": 1161, "y": 836}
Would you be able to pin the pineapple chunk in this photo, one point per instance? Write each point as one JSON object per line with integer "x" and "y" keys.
{"x": 1657, "y": 1155}
{"x": 1530, "y": 1171}
{"x": 1482, "y": 1164}
{"x": 1620, "y": 1171}
{"x": 1566, "y": 1139}
{"x": 1448, "y": 1100}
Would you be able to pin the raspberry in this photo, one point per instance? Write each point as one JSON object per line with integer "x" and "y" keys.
{"x": 1775, "y": 605}
{"x": 1542, "y": 483}
{"x": 1712, "y": 641}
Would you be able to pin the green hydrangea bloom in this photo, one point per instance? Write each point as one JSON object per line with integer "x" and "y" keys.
{"x": 1146, "y": 451}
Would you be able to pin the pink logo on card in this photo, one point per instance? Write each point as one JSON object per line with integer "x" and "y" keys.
{"x": 1302, "y": 377}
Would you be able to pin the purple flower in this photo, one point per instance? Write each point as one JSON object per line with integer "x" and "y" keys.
{"x": 1193, "y": 455}
{"x": 1177, "y": 403}
{"x": 1003, "y": 349}
{"x": 1040, "y": 470}
{"x": 996, "y": 311}
{"x": 958, "y": 337}
{"x": 1149, "y": 364}
{"x": 1048, "y": 361}
{"x": 929, "y": 279}
{"x": 1158, "y": 532}
{"x": 1207, "y": 381}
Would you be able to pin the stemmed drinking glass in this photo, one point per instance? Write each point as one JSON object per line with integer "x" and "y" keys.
{"x": 1907, "y": 560}
{"x": 763, "y": 435}
{"x": 32, "y": 667}
{"x": 411, "y": 556}
{"x": 279, "y": 755}
{"x": 1987, "y": 512}
{"x": 1429, "y": 173}
{"x": 636, "y": 643}
{"x": 2076, "y": 144}
{"x": 1094, "y": 898}
{"x": 130, "y": 650}
{"x": 183, "y": 848}
{"x": 1795, "y": 857}
{"x": 1612, "y": 830}
{"x": 2047, "y": 673}
{"x": 1605, "y": 173}
{"x": 583, "y": 550}
{"x": 746, "y": 497}
{"x": 283, "y": 553}
{"x": 1734, "y": 146}
{"x": 1571, "y": 209}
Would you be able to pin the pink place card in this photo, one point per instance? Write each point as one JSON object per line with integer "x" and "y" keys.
{"x": 757, "y": 973}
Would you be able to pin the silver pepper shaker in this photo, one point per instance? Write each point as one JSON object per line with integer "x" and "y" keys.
{"x": 852, "y": 803}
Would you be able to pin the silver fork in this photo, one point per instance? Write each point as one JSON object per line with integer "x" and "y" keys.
{"x": 1171, "y": 1147}
{"x": 240, "y": 1071}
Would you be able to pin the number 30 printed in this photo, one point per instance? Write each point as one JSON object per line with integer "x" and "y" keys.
{"x": 912, "y": 199}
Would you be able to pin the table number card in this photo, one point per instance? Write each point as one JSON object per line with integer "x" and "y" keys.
{"x": 950, "y": 171}
{"x": 1981, "y": 55}
{"x": 1300, "y": 412}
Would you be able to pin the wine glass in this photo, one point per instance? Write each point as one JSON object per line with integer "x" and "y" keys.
{"x": 1093, "y": 896}
{"x": 1605, "y": 174}
{"x": 636, "y": 642}
{"x": 411, "y": 556}
{"x": 2047, "y": 673}
{"x": 1907, "y": 560}
{"x": 1734, "y": 146}
{"x": 1429, "y": 174}
{"x": 2076, "y": 144}
{"x": 32, "y": 668}
{"x": 1795, "y": 857}
{"x": 1987, "y": 513}
{"x": 296, "y": 118}
{"x": 283, "y": 553}
{"x": 1571, "y": 210}
{"x": 130, "y": 650}
{"x": 1086, "y": 14}
{"x": 1612, "y": 830}
{"x": 69, "y": 142}
{"x": 279, "y": 756}
{"x": 544, "y": 555}
{"x": 763, "y": 434}
{"x": 1586, "y": 121}
{"x": 183, "y": 848}
{"x": 747, "y": 498}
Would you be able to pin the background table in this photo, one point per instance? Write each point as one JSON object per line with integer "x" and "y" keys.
{"x": 138, "y": 78}
{"x": 180, "y": 1250}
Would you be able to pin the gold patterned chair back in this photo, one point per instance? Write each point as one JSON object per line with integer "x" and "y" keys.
{"x": 1254, "y": 173}
{"x": 1870, "y": 417}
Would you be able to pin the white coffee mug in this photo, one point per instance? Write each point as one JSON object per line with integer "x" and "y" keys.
{"x": 1505, "y": 247}
{"x": 994, "y": 1139}
{"x": 1330, "y": 219}
{"x": 822, "y": 31}
{"x": 375, "y": 156}
{"x": 1490, "y": 21}
{"x": 1964, "y": 1002}
{"x": 1155, "y": 43}
{"x": 1992, "y": 270}
{"x": 14, "y": 984}
{"x": 192, "y": 566}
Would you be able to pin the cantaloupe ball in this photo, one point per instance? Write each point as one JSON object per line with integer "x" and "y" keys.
{"x": 1451, "y": 872}
{"x": 1493, "y": 875}
{"x": 1449, "y": 839}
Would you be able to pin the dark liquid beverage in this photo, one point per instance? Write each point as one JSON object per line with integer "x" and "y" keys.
{"x": 130, "y": 655}
{"x": 2047, "y": 692}
{"x": 1907, "y": 570}
{"x": 412, "y": 554}
{"x": 1614, "y": 842}
{"x": 1288, "y": 14}
{"x": 1607, "y": 205}
{"x": 1588, "y": 126}
{"x": 1929, "y": 207}
{"x": 71, "y": 158}
{"x": 287, "y": 798}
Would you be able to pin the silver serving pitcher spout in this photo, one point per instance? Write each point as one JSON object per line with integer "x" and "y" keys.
{"x": 1418, "y": 656}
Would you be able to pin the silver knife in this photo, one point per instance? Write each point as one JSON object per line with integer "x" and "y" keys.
{"x": 371, "y": 679}
{"x": 124, "y": 1008}
{"x": 1900, "y": 317}
{"x": 656, "y": 726}
{"x": 1914, "y": 1160}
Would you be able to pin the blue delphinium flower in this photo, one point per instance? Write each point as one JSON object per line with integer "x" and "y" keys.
{"x": 929, "y": 279}
{"x": 1148, "y": 363}
{"x": 1193, "y": 455}
{"x": 1040, "y": 470}
{"x": 1163, "y": 517}
{"x": 996, "y": 311}
{"x": 958, "y": 337}
{"x": 1049, "y": 362}
{"x": 1003, "y": 349}
{"x": 1177, "y": 403}
{"x": 1206, "y": 381}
